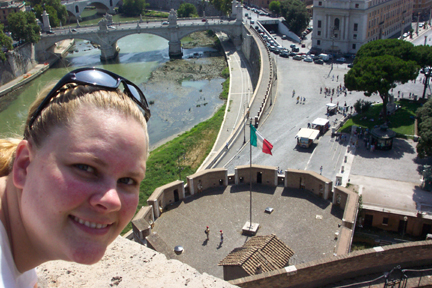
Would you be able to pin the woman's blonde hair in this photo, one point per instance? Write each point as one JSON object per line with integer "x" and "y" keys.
{"x": 60, "y": 111}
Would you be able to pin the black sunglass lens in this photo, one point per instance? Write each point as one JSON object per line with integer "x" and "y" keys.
{"x": 136, "y": 94}
{"x": 97, "y": 77}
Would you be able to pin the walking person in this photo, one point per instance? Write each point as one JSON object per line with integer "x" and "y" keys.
{"x": 321, "y": 170}
{"x": 221, "y": 238}
{"x": 207, "y": 232}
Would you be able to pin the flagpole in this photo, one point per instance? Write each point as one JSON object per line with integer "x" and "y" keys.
{"x": 250, "y": 176}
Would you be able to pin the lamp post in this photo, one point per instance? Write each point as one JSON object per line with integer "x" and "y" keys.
{"x": 417, "y": 27}
{"x": 405, "y": 220}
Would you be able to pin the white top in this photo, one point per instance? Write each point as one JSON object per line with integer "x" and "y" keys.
{"x": 10, "y": 277}
{"x": 320, "y": 122}
{"x": 308, "y": 133}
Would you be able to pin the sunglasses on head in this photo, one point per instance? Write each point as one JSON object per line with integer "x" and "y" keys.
{"x": 98, "y": 78}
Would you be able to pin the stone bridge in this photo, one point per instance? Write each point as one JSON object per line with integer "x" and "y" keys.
{"x": 106, "y": 35}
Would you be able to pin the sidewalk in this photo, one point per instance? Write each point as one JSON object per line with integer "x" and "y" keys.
{"x": 61, "y": 49}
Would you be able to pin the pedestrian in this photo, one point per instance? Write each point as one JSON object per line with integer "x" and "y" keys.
{"x": 320, "y": 90}
{"x": 331, "y": 99}
{"x": 221, "y": 235}
{"x": 207, "y": 232}
{"x": 337, "y": 78}
{"x": 298, "y": 99}
{"x": 68, "y": 186}
{"x": 321, "y": 170}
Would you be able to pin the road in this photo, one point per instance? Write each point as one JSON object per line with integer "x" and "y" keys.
{"x": 285, "y": 117}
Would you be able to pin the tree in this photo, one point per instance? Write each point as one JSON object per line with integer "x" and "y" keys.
{"x": 24, "y": 27}
{"x": 424, "y": 116}
{"x": 275, "y": 7}
{"x": 134, "y": 7}
{"x": 296, "y": 15}
{"x": 379, "y": 74}
{"x": 186, "y": 10}
{"x": 57, "y": 12}
{"x": 5, "y": 42}
{"x": 222, "y": 5}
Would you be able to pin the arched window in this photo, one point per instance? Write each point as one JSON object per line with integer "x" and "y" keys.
{"x": 336, "y": 24}
{"x": 76, "y": 9}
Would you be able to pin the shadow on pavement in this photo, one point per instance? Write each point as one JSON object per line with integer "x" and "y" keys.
{"x": 400, "y": 147}
{"x": 306, "y": 195}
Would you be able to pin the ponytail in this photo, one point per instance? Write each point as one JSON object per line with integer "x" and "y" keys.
{"x": 7, "y": 154}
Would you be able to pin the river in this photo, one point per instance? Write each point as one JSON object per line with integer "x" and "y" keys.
{"x": 177, "y": 106}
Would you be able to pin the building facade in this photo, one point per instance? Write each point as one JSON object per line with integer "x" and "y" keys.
{"x": 343, "y": 26}
{"x": 9, "y": 6}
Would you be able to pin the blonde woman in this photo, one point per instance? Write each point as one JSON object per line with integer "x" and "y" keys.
{"x": 70, "y": 186}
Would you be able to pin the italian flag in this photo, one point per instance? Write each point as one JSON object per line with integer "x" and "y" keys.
{"x": 256, "y": 139}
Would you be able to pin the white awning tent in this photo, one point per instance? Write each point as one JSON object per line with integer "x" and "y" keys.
{"x": 308, "y": 133}
{"x": 320, "y": 122}
{"x": 331, "y": 105}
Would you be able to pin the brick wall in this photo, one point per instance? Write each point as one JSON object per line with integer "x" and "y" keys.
{"x": 333, "y": 269}
{"x": 309, "y": 180}
{"x": 205, "y": 179}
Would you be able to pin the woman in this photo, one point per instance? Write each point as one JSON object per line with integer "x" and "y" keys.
{"x": 71, "y": 185}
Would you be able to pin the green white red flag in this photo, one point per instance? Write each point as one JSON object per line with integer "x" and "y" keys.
{"x": 257, "y": 140}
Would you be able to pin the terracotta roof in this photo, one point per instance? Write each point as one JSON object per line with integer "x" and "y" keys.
{"x": 264, "y": 253}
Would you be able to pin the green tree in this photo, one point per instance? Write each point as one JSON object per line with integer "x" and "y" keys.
{"x": 379, "y": 74}
{"x": 296, "y": 15}
{"x": 275, "y": 7}
{"x": 57, "y": 12}
{"x": 394, "y": 47}
{"x": 134, "y": 7}
{"x": 24, "y": 27}
{"x": 5, "y": 42}
{"x": 424, "y": 116}
{"x": 224, "y": 6}
{"x": 187, "y": 10}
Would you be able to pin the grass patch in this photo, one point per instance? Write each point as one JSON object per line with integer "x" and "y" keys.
{"x": 402, "y": 121}
{"x": 225, "y": 89}
{"x": 356, "y": 246}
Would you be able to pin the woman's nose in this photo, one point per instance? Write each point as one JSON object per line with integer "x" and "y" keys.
{"x": 107, "y": 200}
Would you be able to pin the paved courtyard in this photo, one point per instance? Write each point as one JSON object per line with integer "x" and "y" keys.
{"x": 303, "y": 221}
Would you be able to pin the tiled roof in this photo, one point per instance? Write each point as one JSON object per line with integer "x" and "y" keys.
{"x": 264, "y": 253}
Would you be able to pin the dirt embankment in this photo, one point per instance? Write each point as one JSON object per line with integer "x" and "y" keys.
{"x": 203, "y": 65}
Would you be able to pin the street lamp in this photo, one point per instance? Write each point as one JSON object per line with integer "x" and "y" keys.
{"x": 405, "y": 220}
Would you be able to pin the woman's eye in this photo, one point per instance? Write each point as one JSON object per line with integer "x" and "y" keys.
{"x": 85, "y": 167}
{"x": 127, "y": 181}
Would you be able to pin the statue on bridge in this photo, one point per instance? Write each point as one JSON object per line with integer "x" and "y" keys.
{"x": 172, "y": 18}
{"x": 105, "y": 21}
{"x": 109, "y": 18}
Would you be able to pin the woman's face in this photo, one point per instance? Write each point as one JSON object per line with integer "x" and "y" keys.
{"x": 81, "y": 186}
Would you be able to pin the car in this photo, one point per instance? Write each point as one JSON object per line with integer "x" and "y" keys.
{"x": 204, "y": 20}
{"x": 74, "y": 30}
{"x": 249, "y": 17}
{"x": 308, "y": 59}
{"x": 165, "y": 23}
{"x": 50, "y": 32}
{"x": 350, "y": 65}
{"x": 292, "y": 46}
{"x": 292, "y": 54}
{"x": 341, "y": 59}
{"x": 298, "y": 57}
{"x": 284, "y": 37}
{"x": 113, "y": 27}
{"x": 319, "y": 61}
{"x": 295, "y": 49}
{"x": 252, "y": 22}
{"x": 284, "y": 54}
{"x": 247, "y": 14}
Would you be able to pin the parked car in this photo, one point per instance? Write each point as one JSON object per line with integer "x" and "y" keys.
{"x": 284, "y": 37}
{"x": 341, "y": 59}
{"x": 350, "y": 65}
{"x": 252, "y": 22}
{"x": 292, "y": 54}
{"x": 204, "y": 20}
{"x": 319, "y": 61}
{"x": 165, "y": 23}
{"x": 50, "y": 32}
{"x": 308, "y": 59}
{"x": 74, "y": 30}
{"x": 284, "y": 54}
{"x": 298, "y": 57}
{"x": 295, "y": 49}
{"x": 292, "y": 46}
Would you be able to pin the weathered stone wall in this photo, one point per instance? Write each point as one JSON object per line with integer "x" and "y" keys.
{"x": 252, "y": 53}
{"x": 19, "y": 61}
